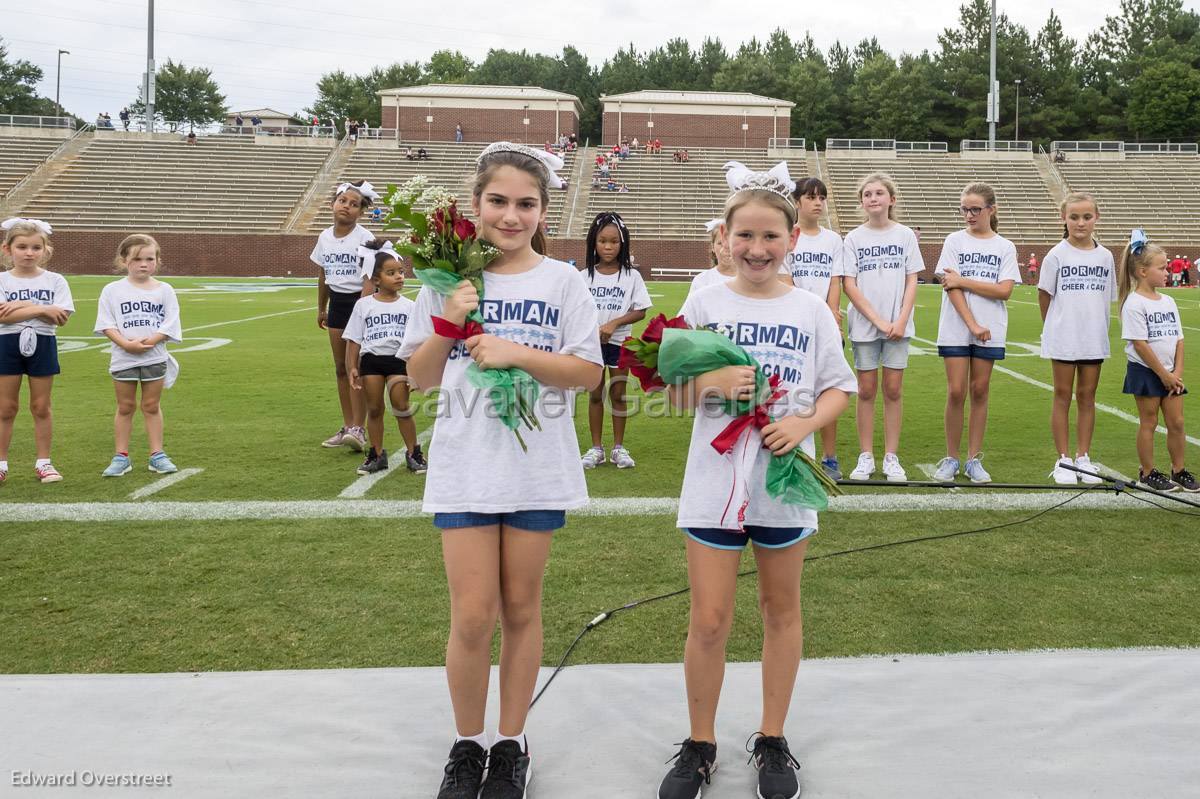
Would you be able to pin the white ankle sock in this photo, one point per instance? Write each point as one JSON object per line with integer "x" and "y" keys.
{"x": 40, "y": 462}
{"x": 3, "y": 466}
{"x": 520, "y": 739}
{"x": 480, "y": 739}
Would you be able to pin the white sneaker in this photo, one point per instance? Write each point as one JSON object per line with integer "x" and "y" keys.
{"x": 621, "y": 457}
{"x": 946, "y": 469}
{"x": 865, "y": 467}
{"x": 975, "y": 472}
{"x": 892, "y": 469}
{"x": 593, "y": 457}
{"x": 1084, "y": 462}
{"x": 1064, "y": 477}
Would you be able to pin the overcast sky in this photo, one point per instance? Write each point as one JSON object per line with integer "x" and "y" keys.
{"x": 271, "y": 54}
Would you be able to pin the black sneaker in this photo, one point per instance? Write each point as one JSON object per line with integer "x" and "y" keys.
{"x": 464, "y": 771}
{"x": 1184, "y": 479}
{"x": 416, "y": 461}
{"x": 695, "y": 763}
{"x": 776, "y": 768}
{"x": 1157, "y": 480}
{"x": 375, "y": 462}
{"x": 508, "y": 772}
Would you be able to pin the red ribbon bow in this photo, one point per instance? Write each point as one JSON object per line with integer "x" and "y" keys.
{"x": 447, "y": 329}
{"x": 757, "y": 416}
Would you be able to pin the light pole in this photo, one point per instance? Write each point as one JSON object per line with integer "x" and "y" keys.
{"x": 58, "y": 80}
{"x": 148, "y": 100}
{"x": 994, "y": 104}
{"x": 1017, "y": 122}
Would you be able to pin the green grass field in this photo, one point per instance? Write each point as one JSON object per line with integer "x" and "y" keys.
{"x": 256, "y": 398}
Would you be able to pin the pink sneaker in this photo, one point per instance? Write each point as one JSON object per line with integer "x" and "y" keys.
{"x": 48, "y": 474}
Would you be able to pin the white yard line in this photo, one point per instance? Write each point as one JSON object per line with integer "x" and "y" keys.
{"x": 606, "y": 506}
{"x": 248, "y": 319}
{"x": 166, "y": 482}
{"x": 1120, "y": 414}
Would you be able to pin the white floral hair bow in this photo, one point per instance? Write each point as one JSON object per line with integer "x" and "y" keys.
{"x": 713, "y": 224}
{"x": 550, "y": 161}
{"x": 366, "y": 190}
{"x": 366, "y": 257}
{"x": 8, "y": 224}
{"x": 742, "y": 178}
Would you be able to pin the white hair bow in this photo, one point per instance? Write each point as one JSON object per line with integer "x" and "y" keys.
{"x": 366, "y": 257}
{"x": 8, "y": 224}
{"x": 366, "y": 190}
{"x": 713, "y": 224}
{"x": 742, "y": 178}
{"x": 550, "y": 161}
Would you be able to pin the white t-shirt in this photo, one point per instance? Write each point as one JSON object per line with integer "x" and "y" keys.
{"x": 1155, "y": 322}
{"x": 377, "y": 326}
{"x": 709, "y": 277}
{"x": 46, "y": 288}
{"x": 815, "y": 261}
{"x": 339, "y": 258}
{"x": 138, "y": 313}
{"x": 1082, "y": 285}
{"x": 616, "y": 295}
{"x": 990, "y": 260}
{"x": 881, "y": 261}
{"x": 793, "y": 336}
{"x": 478, "y": 466}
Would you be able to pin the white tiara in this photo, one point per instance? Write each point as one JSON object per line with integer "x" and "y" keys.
{"x": 776, "y": 179}
{"x": 713, "y": 224}
{"x": 366, "y": 190}
{"x": 9, "y": 224}
{"x": 549, "y": 161}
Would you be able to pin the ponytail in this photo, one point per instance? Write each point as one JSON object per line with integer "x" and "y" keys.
{"x": 1128, "y": 265}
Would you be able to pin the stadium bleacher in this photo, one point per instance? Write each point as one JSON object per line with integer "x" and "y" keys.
{"x": 1153, "y": 192}
{"x": 20, "y": 156}
{"x": 929, "y": 185}
{"x": 219, "y": 184}
{"x": 449, "y": 164}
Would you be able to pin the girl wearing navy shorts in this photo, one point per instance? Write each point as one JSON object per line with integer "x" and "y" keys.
{"x": 373, "y": 336}
{"x": 1153, "y": 334}
{"x": 621, "y": 300}
{"x": 496, "y": 504}
{"x": 340, "y": 284}
{"x": 34, "y": 303}
{"x": 793, "y": 334}
{"x": 978, "y": 269}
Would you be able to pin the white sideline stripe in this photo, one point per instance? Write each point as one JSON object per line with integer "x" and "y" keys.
{"x": 362, "y": 485}
{"x": 606, "y": 506}
{"x": 248, "y": 319}
{"x": 1099, "y": 406}
{"x": 166, "y": 482}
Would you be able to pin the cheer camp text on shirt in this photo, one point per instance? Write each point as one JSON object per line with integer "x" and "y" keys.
{"x": 1161, "y": 324}
{"x": 341, "y": 264}
{"x": 1071, "y": 278}
{"x": 780, "y": 336}
{"x": 528, "y": 314}
{"x": 880, "y": 251}
{"x": 803, "y": 264}
{"x": 385, "y": 325}
{"x": 38, "y": 296}
{"x": 150, "y": 313}
{"x": 608, "y": 298}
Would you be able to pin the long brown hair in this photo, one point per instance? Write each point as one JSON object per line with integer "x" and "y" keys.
{"x": 1076, "y": 197}
{"x": 487, "y": 170}
{"x": 988, "y": 194}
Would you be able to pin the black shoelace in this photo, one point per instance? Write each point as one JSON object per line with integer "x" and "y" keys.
{"x": 503, "y": 766}
{"x": 690, "y": 759}
{"x": 464, "y": 760}
{"x": 774, "y": 754}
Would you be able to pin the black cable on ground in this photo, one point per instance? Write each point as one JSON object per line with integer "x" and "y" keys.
{"x": 608, "y": 614}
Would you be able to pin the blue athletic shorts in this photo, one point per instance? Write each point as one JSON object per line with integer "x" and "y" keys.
{"x": 973, "y": 351}
{"x": 43, "y": 362}
{"x": 542, "y": 521}
{"x": 769, "y": 537}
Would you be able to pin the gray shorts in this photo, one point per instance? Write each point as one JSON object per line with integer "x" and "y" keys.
{"x": 142, "y": 374}
{"x": 870, "y": 355}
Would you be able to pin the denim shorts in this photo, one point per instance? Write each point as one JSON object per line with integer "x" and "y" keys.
{"x": 541, "y": 521}
{"x": 769, "y": 537}
{"x": 973, "y": 351}
{"x": 870, "y": 355}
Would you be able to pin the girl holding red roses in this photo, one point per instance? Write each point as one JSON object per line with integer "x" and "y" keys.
{"x": 724, "y": 504}
{"x": 495, "y": 502}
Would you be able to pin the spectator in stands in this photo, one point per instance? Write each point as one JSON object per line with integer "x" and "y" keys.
{"x": 657, "y": 146}
{"x": 595, "y": 180}
{"x": 422, "y": 155}
{"x": 548, "y": 147}
{"x": 624, "y": 188}
{"x": 1176, "y": 268}
{"x": 1187, "y": 271}
{"x": 600, "y": 159}
{"x": 366, "y": 129}
{"x": 1060, "y": 157}
{"x": 238, "y": 121}
{"x": 409, "y": 154}
{"x": 352, "y": 129}
{"x": 458, "y": 134}
{"x": 604, "y": 169}
{"x": 572, "y": 141}
{"x": 191, "y": 137}
{"x": 124, "y": 115}
{"x": 612, "y": 185}
{"x": 256, "y": 122}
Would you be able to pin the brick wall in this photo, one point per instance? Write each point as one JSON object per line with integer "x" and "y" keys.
{"x": 275, "y": 254}
{"x": 696, "y": 130}
{"x": 479, "y": 124}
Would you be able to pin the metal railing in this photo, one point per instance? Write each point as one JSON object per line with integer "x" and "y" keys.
{"x": 1058, "y": 178}
{"x": 49, "y": 157}
{"x": 1148, "y": 148}
{"x": 787, "y": 144}
{"x": 23, "y": 121}
{"x": 319, "y": 183}
{"x": 860, "y": 144}
{"x": 1087, "y": 146}
{"x": 983, "y": 145}
{"x": 316, "y": 131}
{"x": 821, "y": 177}
{"x": 579, "y": 188}
{"x": 922, "y": 147}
